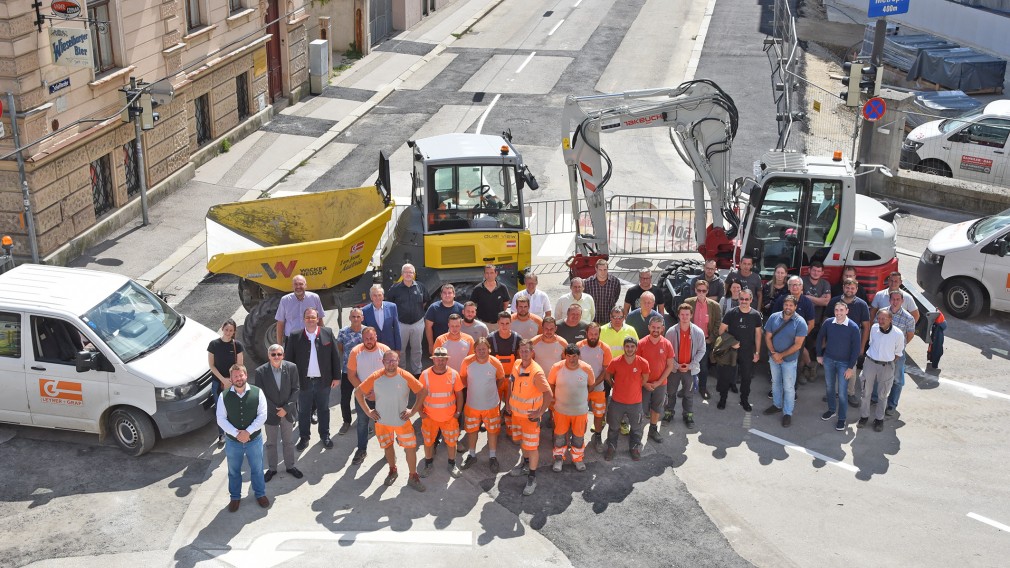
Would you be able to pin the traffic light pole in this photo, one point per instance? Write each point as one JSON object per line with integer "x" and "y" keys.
{"x": 866, "y": 127}
{"x": 27, "y": 211}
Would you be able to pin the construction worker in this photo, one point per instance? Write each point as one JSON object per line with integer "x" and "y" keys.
{"x": 572, "y": 380}
{"x": 505, "y": 347}
{"x": 548, "y": 347}
{"x": 391, "y": 415}
{"x": 364, "y": 359}
{"x": 456, "y": 343}
{"x": 483, "y": 376}
{"x": 598, "y": 355}
{"x": 627, "y": 375}
{"x": 529, "y": 397}
{"x": 524, "y": 323}
{"x": 442, "y": 405}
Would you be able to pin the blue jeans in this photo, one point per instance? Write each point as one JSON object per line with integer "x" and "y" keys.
{"x": 318, "y": 393}
{"x": 899, "y": 381}
{"x": 837, "y": 386}
{"x": 362, "y": 425}
{"x": 252, "y": 450}
{"x": 703, "y": 372}
{"x": 784, "y": 385}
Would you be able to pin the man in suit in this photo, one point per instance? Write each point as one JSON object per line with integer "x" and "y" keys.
{"x": 314, "y": 351}
{"x": 383, "y": 317}
{"x": 278, "y": 380}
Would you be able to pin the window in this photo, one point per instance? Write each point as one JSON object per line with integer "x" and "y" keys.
{"x": 55, "y": 340}
{"x": 990, "y": 132}
{"x": 101, "y": 185}
{"x": 193, "y": 19}
{"x": 130, "y": 167}
{"x": 242, "y": 95}
{"x": 10, "y": 335}
{"x": 473, "y": 197}
{"x": 100, "y": 24}
{"x": 133, "y": 321}
{"x": 235, "y": 6}
{"x": 202, "y": 116}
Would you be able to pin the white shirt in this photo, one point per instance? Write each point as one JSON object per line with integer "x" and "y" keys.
{"x": 257, "y": 423}
{"x": 885, "y": 346}
{"x": 539, "y": 302}
{"x": 587, "y": 303}
{"x": 313, "y": 370}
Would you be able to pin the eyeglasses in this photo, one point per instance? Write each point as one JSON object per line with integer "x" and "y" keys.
{"x": 616, "y": 317}
{"x": 276, "y": 354}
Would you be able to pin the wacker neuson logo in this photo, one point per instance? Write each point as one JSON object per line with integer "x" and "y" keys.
{"x": 53, "y": 391}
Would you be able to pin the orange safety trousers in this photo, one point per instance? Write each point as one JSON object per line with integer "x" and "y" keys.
{"x": 576, "y": 443}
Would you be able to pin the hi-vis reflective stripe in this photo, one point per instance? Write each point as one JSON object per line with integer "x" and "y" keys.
{"x": 441, "y": 404}
{"x": 531, "y": 436}
{"x": 441, "y": 394}
{"x": 527, "y": 400}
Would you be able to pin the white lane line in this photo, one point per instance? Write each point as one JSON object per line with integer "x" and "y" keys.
{"x": 791, "y": 446}
{"x": 528, "y": 59}
{"x": 555, "y": 28}
{"x": 989, "y": 522}
{"x": 576, "y": 4}
{"x": 480, "y": 123}
{"x": 973, "y": 390}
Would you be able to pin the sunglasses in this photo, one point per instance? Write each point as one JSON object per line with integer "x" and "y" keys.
{"x": 276, "y": 354}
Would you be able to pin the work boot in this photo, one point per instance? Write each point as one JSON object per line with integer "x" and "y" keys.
{"x": 425, "y": 469}
{"x": 522, "y": 468}
{"x": 654, "y": 435}
{"x": 468, "y": 460}
{"x": 689, "y": 419}
{"x": 391, "y": 478}
{"x": 746, "y": 405}
{"x": 454, "y": 471}
{"x": 721, "y": 405}
{"x": 609, "y": 455}
{"x": 531, "y": 486}
{"x": 667, "y": 415}
{"x": 580, "y": 465}
{"x": 492, "y": 464}
{"x": 598, "y": 443}
{"x": 558, "y": 465}
{"x": 625, "y": 428}
{"x": 414, "y": 482}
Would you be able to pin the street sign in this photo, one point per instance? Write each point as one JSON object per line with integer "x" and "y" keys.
{"x": 883, "y": 8}
{"x": 874, "y": 109}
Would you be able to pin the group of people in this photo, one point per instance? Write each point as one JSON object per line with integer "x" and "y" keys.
{"x": 503, "y": 361}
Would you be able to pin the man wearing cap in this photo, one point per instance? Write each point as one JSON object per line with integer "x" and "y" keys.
{"x": 572, "y": 380}
{"x": 627, "y": 376}
{"x": 529, "y": 397}
{"x": 442, "y": 405}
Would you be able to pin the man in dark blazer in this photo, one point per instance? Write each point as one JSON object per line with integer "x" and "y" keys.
{"x": 278, "y": 380}
{"x": 314, "y": 351}
{"x": 389, "y": 326}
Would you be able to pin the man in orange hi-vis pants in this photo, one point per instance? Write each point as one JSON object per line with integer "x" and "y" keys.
{"x": 572, "y": 380}
{"x": 529, "y": 396}
{"x": 599, "y": 356}
{"x": 482, "y": 374}
{"x": 442, "y": 406}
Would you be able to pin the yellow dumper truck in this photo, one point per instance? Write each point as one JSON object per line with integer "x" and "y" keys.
{"x": 465, "y": 211}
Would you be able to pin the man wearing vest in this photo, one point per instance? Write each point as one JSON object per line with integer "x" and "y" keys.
{"x": 483, "y": 376}
{"x": 529, "y": 397}
{"x": 363, "y": 360}
{"x": 442, "y": 406}
{"x": 278, "y": 384}
{"x": 505, "y": 347}
{"x": 572, "y": 380}
{"x": 599, "y": 356}
{"x": 241, "y": 413}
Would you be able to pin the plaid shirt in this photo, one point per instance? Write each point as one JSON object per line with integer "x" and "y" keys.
{"x": 902, "y": 320}
{"x": 604, "y": 295}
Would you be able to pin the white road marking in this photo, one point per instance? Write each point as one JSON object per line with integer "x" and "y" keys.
{"x": 557, "y": 244}
{"x": 576, "y": 4}
{"x": 263, "y": 552}
{"x": 791, "y": 446}
{"x": 973, "y": 390}
{"x": 528, "y": 59}
{"x": 555, "y": 28}
{"x": 480, "y": 123}
{"x": 989, "y": 522}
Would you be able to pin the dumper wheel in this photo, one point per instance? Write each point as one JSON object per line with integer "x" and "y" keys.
{"x": 260, "y": 329}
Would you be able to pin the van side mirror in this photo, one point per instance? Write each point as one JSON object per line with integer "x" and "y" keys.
{"x": 86, "y": 361}
{"x": 1003, "y": 246}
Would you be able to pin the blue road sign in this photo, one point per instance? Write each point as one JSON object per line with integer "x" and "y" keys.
{"x": 882, "y": 8}
{"x": 874, "y": 109}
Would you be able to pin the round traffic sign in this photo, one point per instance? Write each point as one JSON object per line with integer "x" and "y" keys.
{"x": 874, "y": 109}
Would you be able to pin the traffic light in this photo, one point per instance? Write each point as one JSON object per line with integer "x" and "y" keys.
{"x": 861, "y": 78}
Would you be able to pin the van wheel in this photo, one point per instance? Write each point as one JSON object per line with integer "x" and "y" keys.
{"x": 964, "y": 298}
{"x": 132, "y": 430}
{"x": 260, "y": 329}
{"x": 935, "y": 167}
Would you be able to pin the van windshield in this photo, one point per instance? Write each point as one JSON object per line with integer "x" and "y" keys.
{"x": 986, "y": 227}
{"x": 952, "y": 124}
{"x": 133, "y": 321}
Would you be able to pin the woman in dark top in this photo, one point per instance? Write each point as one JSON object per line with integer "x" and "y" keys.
{"x": 222, "y": 353}
{"x": 775, "y": 287}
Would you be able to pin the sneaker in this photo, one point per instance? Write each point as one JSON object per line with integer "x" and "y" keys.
{"x": 558, "y": 464}
{"x": 220, "y": 441}
{"x": 414, "y": 482}
{"x": 721, "y": 405}
{"x": 468, "y": 460}
{"x": 625, "y": 429}
{"x": 492, "y": 464}
{"x": 580, "y": 465}
{"x": 391, "y": 478}
{"x": 302, "y": 444}
{"x": 827, "y": 415}
{"x": 840, "y": 426}
{"x": 654, "y": 435}
{"x": 770, "y": 395}
{"x": 359, "y": 457}
{"x": 772, "y": 410}
{"x": 609, "y": 455}
{"x": 531, "y": 486}
{"x": 787, "y": 420}
{"x": 344, "y": 428}
{"x": 636, "y": 453}
{"x": 854, "y": 401}
{"x": 862, "y": 422}
{"x": 425, "y": 469}
{"x": 455, "y": 471}
{"x": 668, "y": 416}
{"x": 689, "y": 419}
{"x": 522, "y": 468}
{"x": 746, "y": 406}
{"x": 598, "y": 443}
{"x": 889, "y": 411}
{"x": 705, "y": 394}
{"x": 878, "y": 425}
{"x": 315, "y": 418}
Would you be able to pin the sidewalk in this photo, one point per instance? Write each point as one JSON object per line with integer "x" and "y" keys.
{"x": 173, "y": 244}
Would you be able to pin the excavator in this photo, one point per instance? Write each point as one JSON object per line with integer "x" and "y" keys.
{"x": 794, "y": 210}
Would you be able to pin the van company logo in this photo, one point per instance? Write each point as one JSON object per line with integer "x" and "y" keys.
{"x": 53, "y": 391}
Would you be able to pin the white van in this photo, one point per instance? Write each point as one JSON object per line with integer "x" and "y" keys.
{"x": 97, "y": 352}
{"x": 972, "y": 147}
{"x": 969, "y": 265}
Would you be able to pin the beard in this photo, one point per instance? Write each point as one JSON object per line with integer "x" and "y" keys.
{"x": 592, "y": 342}
{"x": 468, "y": 320}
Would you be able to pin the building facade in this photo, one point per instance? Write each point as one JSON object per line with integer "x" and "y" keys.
{"x": 226, "y": 61}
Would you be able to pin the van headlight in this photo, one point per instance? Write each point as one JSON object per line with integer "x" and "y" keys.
{"x": 911, "y": 145}
{"x": 930, "y": 257}
{"x": 177, "y": 393}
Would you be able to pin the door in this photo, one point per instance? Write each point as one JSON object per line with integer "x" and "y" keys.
{"x": 13, "y": 396}
{"x": 274, "y": 51}
{"x": 996, "y": 273}
{"x": 978, "y": 150}
{"x": 59, "y": 396}
{"x": 380, "y": 19}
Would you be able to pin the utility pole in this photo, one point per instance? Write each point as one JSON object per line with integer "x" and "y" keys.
{"x": 27, "y": 211}
{"x": 866, "y": 132}
{"x": 136, "y": 111}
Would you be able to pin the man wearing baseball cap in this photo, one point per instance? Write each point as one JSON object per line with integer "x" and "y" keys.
{"x": 441, "y": 409}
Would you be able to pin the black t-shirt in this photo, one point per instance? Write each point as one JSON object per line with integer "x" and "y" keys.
{"x": 572, "y": 334}
{"x": 490, "y": 302}
{"x": 742, "y": 326}
{"x": 634, "y": 295}
{"x": 225, "y": 354}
